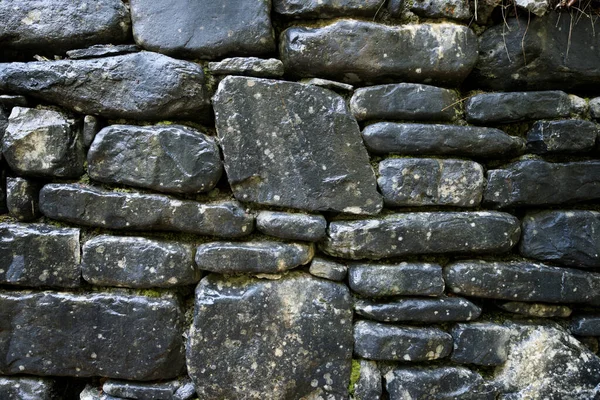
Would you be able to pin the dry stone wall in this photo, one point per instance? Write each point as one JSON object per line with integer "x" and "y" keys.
{"x": 299, "y": 199}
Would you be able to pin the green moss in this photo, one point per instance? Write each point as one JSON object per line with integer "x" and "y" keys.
{"x": 149, "y": 293}
{"x": 354, "y": 376}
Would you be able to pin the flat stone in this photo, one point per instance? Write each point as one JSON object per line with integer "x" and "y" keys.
{"x": 247, "y": 66}
{"x": 43, "y": 143}
{"x": 9, "y": 101}
{"x": 91, "y": 392}
{"x": 377, "y": 341}
{"x": 328, "y": 84}
{"x": 22, "y": 198}
{"x": 137, "y": 262}
{"x": 454, "y": 9}
{"x": 326, "y": 8}
{"x": 27, "y": 388}
{"x": 585, "y": 325}
{"x": 90, "y": 206}
{"x": 437, "y": 139}
{"x": 422, "y": 233}
{"x": 47, "y": 26}
{"x": 368, "y": 386}
{"x": 165, "y": 158}
{"x": 595, "y": 108}
{"x": 404, "y": 101}
{"x": 536, "y": 309}
{"x": 113, "y": 335}
{"x": 289, "y": 354}
{"x": 418, "y": 310}
{"x": 293, "y": 226}
{"x": 567, "y": 136}
{"x": 102, "y": 50}
{"x": 327, "y": 269}
{"x": 110, "y": 86}
{"x": 252, "y": 257}
{"x": 536, "y": 7}
{"x": 537, "y": 182}
{"x": 208, "y": 30}
{"x": 91, "y": 126}
{"x": 481, "y": 343}
{"x": 404, "y": 279}
{"x": 312, "y": 157}
{"x": 141, "y": 390}
{"x": 368, "y": 52}
{"x": 430, "y": 181}
{"x": 504, "y": 108}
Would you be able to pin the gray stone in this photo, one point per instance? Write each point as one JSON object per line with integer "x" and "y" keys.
{"x": 240, "y": 349}
{"x": 418, "y": 310}
{"x": 102, "y": 50}
{"x": 536, "y": 7}
{"x": 291, "y": 226}
{"x": 186, "y": 390}
{"x": 595, "y": 107}
{"x": 141, "y": 390}
{"x": 436, "y": 139}
{"x": 380, "y": 280}
{"x": 377, "y": 341}
{"x": 22, "y": 198}
{"x": 368, "y": 385}
{"x": 327, "y": 269}
{"x": 207, "y": 30}
{"x": 481, "y": 343}
{"x": 536, "y": 309}
{"x": 422, "y": 233}
{"x": 454, "y": 9}
{"x": 27, "y": 388}
{"x": 328, "y": 84}
{"x": 248, "y": 66}
{"x": 91, "y": 126}
{"x": 537, "y": 182}
{"x": 585, "y": 325}
{"x": 252, "y": 257}
{"x": 137, "y": 262}
{"x": 359, "y": 51}
{"x": 326, "y": 8}
{"x": 165, "y": 158}
{"x": 47, "y": 26}
{"x": 91, "y": 392}
{"x": 408, "y": 101}
{"x": 111, "y": 87}
{"x": 293, "y": 145}
{"x": 90, "y": 206}
{"x": 9, "y": 101}
{"x": 114, "y": 335}
{"x": 430, "y": 181}
{"x": 3, "y": 121}
{"x": 43, "y": 143}
{"x": 568, "y": 136}
{"x": 580, "y": 107}
{"x": 504, "y": 108}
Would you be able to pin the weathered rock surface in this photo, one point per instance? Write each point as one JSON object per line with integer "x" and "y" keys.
{"x": 289, "y": 354}
{"x": 102, "y": 50}
{"x": 95, "y": 334}
{"x": 567, "y": 136}
{"x": 208, "y": 30}
{"x": 110, "y": 86}
{"x": 22, "y": 198}
{"x": 91, "y": 126}
{"x": 91, "y": 392}
{"x": 418, "y": 310}
{"x": 248, "y": 66}
{"x": 328, "y": 269}
{"x": 27, "y": 388}
{"x": 586, "y": 325}
{"x": 454, "y": 9}
{"x": 252, "y": 257}
{"x": 43, "y": 143}
{"x": 328, "y": 84}
{"x": 537, "y": 7}
{"x": 303, "y": 152}
{"x": 3, "y": 121}
{"x": 137, "y": 262}
{"x": 368, "y": 386}
{"x": 293, "y": 226}
{"x": 595, "y": 108}
{"x": 481, "y": 343}
{"x": 358, "y": 51}
{"x": 90, "y": 206}
{"x": 422, "y": 233}
{"x": 379, "y": 280}
{"x": 536, "y": 309}
{"x": 165, "y": 158}
{"x": 144, "y": 391}
{"x": 325, "y": 8}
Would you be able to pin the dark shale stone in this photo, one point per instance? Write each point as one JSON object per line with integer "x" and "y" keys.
{"x": 567, "y": 136}
{"x": 291, "y": 226}
{"x": 22, "y": 198}
{"x": 454, "y": 9}
{"x": 91, "y": 126}
{"x": 93, "y": 334}
{"x": 165, "y": 158}
{"x": 536, "y": 309}
{"x": 326, "y": 8}
{"x": 368, "y": 386}
{"x": 91, "y": 392}
{"x": 377, "y": 341}
{"x": 409, "y": 101}
{"x": 137, "y": 262}
{"x": 481, "y": 343}
{"x": 311, "y": 157}
{"x": 248, "y": 66}
{"x": 379, "y": 280}
{"x": 328, "y": 269}
{"x": 537, "y": 182}
{"x": 422, "y": 233}
{"x": 358, "y": 51}
{"x": 102, "y": 50}
{"x": 328, "y": 84}
{"x": 111, "y": 87}
{"x": 566, "y": 237}
{"x": 252, "y": 257}
{"x": 90, "y": 206}
{"x": 27, "y": 388}
{"x": 142, "y": 390}
{"x": 586, "y": 325}
{"x": 207, "y": 30}
{"x": 436, "y": 139}
{"x": 418, "y": 310}
{"x": 43, "y": 143}
{"x": 289, "y": 354}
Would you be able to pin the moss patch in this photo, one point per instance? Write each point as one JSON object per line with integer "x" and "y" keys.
{"x": 354, "y": 376}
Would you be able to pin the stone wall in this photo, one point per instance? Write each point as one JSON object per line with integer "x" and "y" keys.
{"x": 380, "y": 200}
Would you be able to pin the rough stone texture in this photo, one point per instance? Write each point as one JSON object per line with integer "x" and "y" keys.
{"x": 379, "y": 280}
{"x": 537, "y": 182}
{"x": 289, "y": 354}
{"x": 418, "y": 310}
{"x": 536, "y": 7}
{"x": 102, "y": 50}
{"x": 3, "y": 121}
{"x": 252, "y": 257}
{"x": 207, "y": 30}
{"x": 328, "y": 84}
{"x": 43, "y": 143}
{"x": 91, "y": 392}
{"x": 586, "y": 325}
{"x": 377, "y": 341}
{"x": 89, "y": 206}
{"x": 430, "y": 181}
{"x": 436, "y": 139}
{"x": 595, "y": 108}
{"x": 536, "y": 309}
{"x": 358, "y": 51}
{"x": 93, "y": 334}
{"x": 22, "y": 198}
{"x": 504, "y": 108}
{"x": 481, "y": 343}
{"x": 454, "y": 9}
{"x": 326, "y": 8}
{"x": 9, "y": 101}
{"x": 404, "y": 101}
{"x": 26, "y": 388}
{"x": 47, "y": 26}
{"x": 138, "y": 262}
{"x": 248, "y": 66}
{"x": 566, "y": 237}
{"x": 327, "y": 269}
{"x": 310, "y": 228}
{"x": 110, "y": 86}
{"x": 568, "y": 136}
{"x": 91, "y": 126}
{"x": 165, "y": 158}
{"x": 422, "y": 233}
{"x": 293, "y": 145}
{"x": 368, "y": 385}
{"x": 144, "y": 391}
